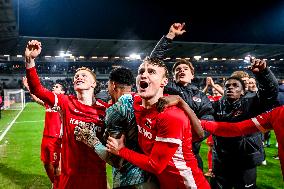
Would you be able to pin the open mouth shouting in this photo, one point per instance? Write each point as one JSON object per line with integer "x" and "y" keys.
{"x": 143, "y": 84}
{"x": 181, "y": 75}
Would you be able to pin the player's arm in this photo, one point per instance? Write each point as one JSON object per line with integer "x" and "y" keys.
{"x": 156, "y": 162}
{"x": 33, "y": 49}
{"x": 162, "y": 46}
{"x": 172, "y": 100}
{"x": 37, "y": 100}
{"x": 170, "y": 129}
{"x": 267, "y": 82}
{"x": 226, "y": 129}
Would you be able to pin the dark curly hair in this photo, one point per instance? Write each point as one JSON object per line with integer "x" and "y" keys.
{"x": 122, "y": 76}
{"x": 238, "y": 79}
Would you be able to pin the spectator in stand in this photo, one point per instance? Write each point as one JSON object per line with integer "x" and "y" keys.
{"x": 217, "y": 89}
{"x": 242, "y": 154}
{"x": 217, "y": 93}
{"x": 52, "y": 135}
{"x": 183, "y": 72}
{"x": 271, "y": 120}
{"x": 81, "y": 167}
{"x": 252, "y": 86}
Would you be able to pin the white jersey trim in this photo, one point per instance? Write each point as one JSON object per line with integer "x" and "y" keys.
{"x": 258, "y": 125}
{"x": 55, "y": 100}
{"x": 170, "y": 140}
{"x": 184, "y": 171}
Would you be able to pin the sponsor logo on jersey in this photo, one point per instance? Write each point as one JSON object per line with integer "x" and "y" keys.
{"x": 144, "y": 132}
{"x": 90, "y": 125}
{"x": 196, "y": 99}
{"x": 237, "y": 113}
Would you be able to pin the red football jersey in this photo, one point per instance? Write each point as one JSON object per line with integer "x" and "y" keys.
{"x": 273, "y": 119}
{"x": 77, "y": 159}
{"x": 166, "y": 140}
{"x": 52, "y": 123}
{"x": 213, "y": 98}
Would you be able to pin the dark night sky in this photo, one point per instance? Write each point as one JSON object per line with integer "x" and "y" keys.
{"x": 207, "y": 21}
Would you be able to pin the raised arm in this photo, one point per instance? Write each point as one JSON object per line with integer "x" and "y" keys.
{"x": 37, "y": 100}
{"x": 205, "y": 90}
{"x": 267, "y": 83}
{"x": 162, "y": 46}
{"x": 32, "y": 51}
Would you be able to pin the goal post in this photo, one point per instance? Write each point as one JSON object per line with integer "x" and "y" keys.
{"x": 14, "y": 99}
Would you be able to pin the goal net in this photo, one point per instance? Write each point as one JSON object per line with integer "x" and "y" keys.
{"x": 14, "y": 99}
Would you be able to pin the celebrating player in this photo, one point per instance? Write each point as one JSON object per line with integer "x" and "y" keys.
{"x": 80, "y": 166}
{"x": 165, "y": 138}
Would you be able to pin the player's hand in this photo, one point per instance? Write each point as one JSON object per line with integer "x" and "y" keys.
{"x": 175, "y": 30}
{"x": 166, "y": 101}
{"x": 33, "y": 49}
{"x": 114, "y": 145}
{"x": 209, "y": 81}
{"x": 25, "y": 82}
{"x": 86, "y": 136}
{"x": 257, "y": 65}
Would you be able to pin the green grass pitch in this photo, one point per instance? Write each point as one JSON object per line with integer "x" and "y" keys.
{"x": 21, "y": 168}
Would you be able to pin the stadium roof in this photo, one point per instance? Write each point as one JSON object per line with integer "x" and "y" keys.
{"x": 123, "y": 48}
{"x": 232, "y": 29}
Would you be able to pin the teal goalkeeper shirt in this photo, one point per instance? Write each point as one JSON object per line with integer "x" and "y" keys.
{"x": 119, "y": 120}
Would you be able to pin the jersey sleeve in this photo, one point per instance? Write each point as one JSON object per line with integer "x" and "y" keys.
{"x": 170, "y": 126}
{"x": 38, "y": 90}
{"x": 156, "y": 162}
{"x": 227, "y": 129}
{"x": 118, "y": 115}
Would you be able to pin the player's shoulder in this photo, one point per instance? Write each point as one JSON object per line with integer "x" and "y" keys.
{"x": 137, "y": 101}
{"x": 123, "y": 105}
{"x": 125, "y": 99}
{"x": 172, "y": 112}
{"x": 101, "y": 103}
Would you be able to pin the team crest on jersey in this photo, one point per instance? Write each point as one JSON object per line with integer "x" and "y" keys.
{"x": 196, "y": 99}
{"x": 148, "y": 123}
{"x": 237, "y": 113}
{"x": 77, "y": 111}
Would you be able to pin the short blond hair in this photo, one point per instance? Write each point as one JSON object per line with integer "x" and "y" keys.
{"x": 240, "y": 74}
{"x": 89, "y": 70}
